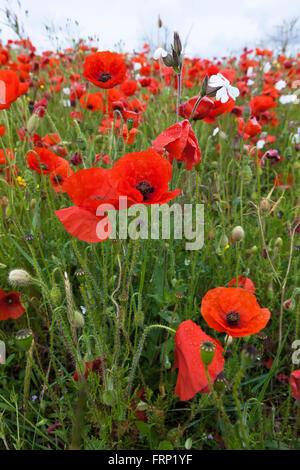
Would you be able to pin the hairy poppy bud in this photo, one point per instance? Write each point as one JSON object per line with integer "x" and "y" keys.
{"x": 207, "y": 352}
{"x": 139, "y": 318}
{"x": 24, "y": 339}
{"x": 78, "y": 319}
{"x": 9, "y": 210}
{"x": 224, "y": 241}
{"x": 33, "y": 123}
{"x": 19, "y": 277}
{"x": 237, "y": 234}
{"x": 278, "y": 243}
{"x": 55, "y": 295}
{"x": 247, "y": 174}
{"x": 264, "y": 205}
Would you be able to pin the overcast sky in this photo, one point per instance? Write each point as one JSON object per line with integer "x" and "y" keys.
{"x": 210, "y": 27}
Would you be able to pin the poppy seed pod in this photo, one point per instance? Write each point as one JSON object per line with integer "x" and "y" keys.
{"x": 19, "y": 277}
{"x": 207, "y": 351}
{"x": 237, "y": 234}
{"x": 24, "y": 339}
{"x": 264, "y": 205}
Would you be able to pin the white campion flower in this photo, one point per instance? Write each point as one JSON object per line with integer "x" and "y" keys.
{"x": 267, "y": 67}
{"x": 287, "y": 99}
{"x": 296, "y": 137}
{"x": 160, "y": 52}
{"x": 280, "y": 85}
{"x": 260, "y": 144}
{"x": 226, "y": 89}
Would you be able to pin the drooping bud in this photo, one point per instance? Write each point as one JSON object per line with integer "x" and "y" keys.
{"x": 19, "y": 278}
{"x": 247, "y": 174}
{"x": 207, "y": 352}
{"x": 139, "y": 318}
{"x": 224, "y": 241}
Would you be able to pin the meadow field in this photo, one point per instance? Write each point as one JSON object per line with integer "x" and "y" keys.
{"x": 149, "y": 249}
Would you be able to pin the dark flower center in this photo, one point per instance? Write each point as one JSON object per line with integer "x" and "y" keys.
{"x": 90, "y": 106}
{"x": 9, "y": 301}
{"x": 233, "y": 318}
{"x": 57, "y": 179}
{"x": 145, "y": 188}
{"x": 43, "y": 166}
{"x": 104, "y": 77}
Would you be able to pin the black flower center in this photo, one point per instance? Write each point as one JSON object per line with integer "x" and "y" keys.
{"x": 90, "y": 106}
{"x": 58, "y": 179}
{"x": 233, "y": 318}
{"x": 104, "y": 77}
{"x": 9, "y": 301}
{"x": 145, "y": 188}
{"x": 44, "y": 166}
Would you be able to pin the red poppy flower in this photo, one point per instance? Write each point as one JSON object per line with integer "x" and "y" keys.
{"x": 88, "y": 189}
{"x": 259, "y": 104}
{"x": 191, "y": 370}
{"x": 181, "y": 143}
{"x": 244, "y": 282}
{"x": 8, "y": 154}
{"x": 10, "y": 305}
{"x": 143, "y": 177}
{"x": 233, "y": 310}
{"x": 129, "y": 87}
{"x": 203, "y": 108}
{"x": 251, "y": 129}
{"x": 218, "y": 109}
{"x": 10, "y": 88}
{"x": 91, "y": 101}
{"x": 44, "y": 161}
{"x": 279, "y": 181}
{"x": 104, "y": 69}
{"x": 59, "y": 176}
{"x": 295, "y": 384}
{"x": 2, "y": 130}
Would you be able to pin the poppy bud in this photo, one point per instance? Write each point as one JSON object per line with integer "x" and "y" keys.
{"x": 224, "y": 241}
{"x": 33, "y": 203}
{"x": 160, "y": 23}
{"x": 78, "y": 319}
{"x": 253, "y": 250}
{"x": 264, "y": 205}
{"x": 109, "y": 397}
{"x": 8, "y": 211}
{"x": 19, "y": 277}
{"x": 130, "y": 123}
{"x": 278, "y": 243}
{"x": 139, "y": 318}
{"x": 33, "y": 123}
{"x": 24, "y": 339}
{"x": 247, "y": 174}
{"x": 207, "y": 352}
{"x": 55, "y": 295}
{"x": 237, "y": 234}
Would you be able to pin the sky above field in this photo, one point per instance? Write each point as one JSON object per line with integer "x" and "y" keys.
{"x": 208, "y": 27}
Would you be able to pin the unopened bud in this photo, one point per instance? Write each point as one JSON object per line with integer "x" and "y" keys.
{"x": 33, "y": 123}
{"x": 278, "y": 243}
{"x": 78, "y": 319}
{"x": 177, "y": 44}
{"x": 19, "y": 277}
{"x": 224, "y": 241}
{"x": 56, "y": 295}
{"x": 237, "y": 234}
{"x": 130, "y": 123}
{"x": 139, "y": 318}
{"x": 247, "y": 174}
{"x": 264, "y": 205}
